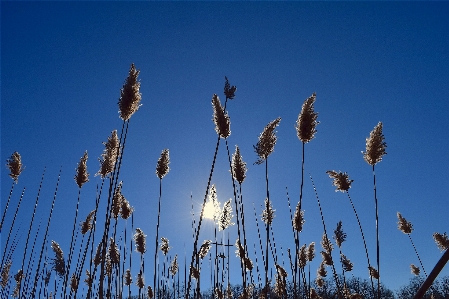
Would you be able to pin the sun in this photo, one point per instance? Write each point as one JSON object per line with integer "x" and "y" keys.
{"x": 209, "y": 210}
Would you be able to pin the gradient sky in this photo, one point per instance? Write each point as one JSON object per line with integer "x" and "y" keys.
{"x": 63, "y": 64}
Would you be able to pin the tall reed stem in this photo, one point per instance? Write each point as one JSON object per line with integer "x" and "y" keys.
{"x": 377, "y": 234}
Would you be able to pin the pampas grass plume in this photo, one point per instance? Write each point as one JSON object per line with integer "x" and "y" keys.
{"x": 403, "y": 225}
{"x": 341, "y": 180}
{"x": 130, "y": 96}
{"x": 162, "y": 164}
{"x": 375, "y": 146}
{"x": 238, "y": 166}
{"x": 14, "y": 164}
{"x": 442, "y": 241}
{"x": 415, "y": 270}
{"x": 267, "y": 141}
{"x": 221, "y": 120}
{"x": 82, "y": 176}
{"x": 307, "y": 120}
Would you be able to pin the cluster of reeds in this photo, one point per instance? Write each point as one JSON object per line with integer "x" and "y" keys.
{"x": 102, "y": 250}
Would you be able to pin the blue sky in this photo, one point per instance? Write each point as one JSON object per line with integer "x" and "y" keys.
{"x": 63, "y": 64}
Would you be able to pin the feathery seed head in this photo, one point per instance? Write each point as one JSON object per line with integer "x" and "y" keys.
{"x": 221, "y": 120}
{"x": 373, "y": 272}
{"x": 150, "y": 292}
{"x": 238, "y": 167}
{"x": 339, "y": 235}
{"x": 58, "y": 263}
{"x": 109, "y": 155}
{"x": 314, "y": 294}
{"x": 322, "y": 270}
{"x": 307, "y": 120}
{"x": 87, "y": 224}
{"x": 320, "y": 282}
{"x": 128, "y": 277}
{"x": 302, "y": 258}
{"x": 73, "y": 282}
{"x": 82, "y": 176}
{"x": 346, "y": 263}
{"x": 108, "y": 266}
{"x": 14, "y": 163}
{"x": 240, "y": 252}
{"x": 140, "y": 282}
{"x": 5, "y": 274}
{"x": 327, "y": 259}
{"x": 164, "y": 246}
{"x": 225, "y": 218}
{"x": 442, "y": 241}
{"x": 403, "y": 225}
{"x": 311, "y": 251}
{"x": 204, "y": 249}
{"x": 88, "y": 280}
{"x": 326, "y": 244}
{"x": 174, "y": 266}
{"x": 162, "y": 164}
{"x": 298, "y": 220}
{"x": 415, "y": 270}
{"x": 267, "y": 141}
{"x": 375, "y": 146}
{"x": 341, "y": 180}
{"x": 126, "y": 210}
{"x": 229, "y": 90}
{"x": 268, "y": 212}
{"x": 18, "y": 276}
{"x": 114, "y": 252}
{"x": 117, "y": 200}
{"x": 248, "y": 263}
{"x": 129, "y": 101}
{"x": 98, "y": 255}
{"x": 140, "y": 240}
{"x": 194, "y": 272}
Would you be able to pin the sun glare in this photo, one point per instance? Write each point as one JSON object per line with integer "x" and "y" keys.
{"x": 209, "y": 210}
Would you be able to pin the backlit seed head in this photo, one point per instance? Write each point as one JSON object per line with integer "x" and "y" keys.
{"x": 326, "y": 244}
{"x": 128, "y": 277}
{"x": 346, "y": 263}
{"x": 117, "y": 201}
{"x": 373, "y": 272}
{"x": 298, "y": 220}
{"x": 267, "y": 141}
{"x": 238, "y": 166}
{"x": 268, "y": 212}
{"x": 327, "y": 259}
{"x": 74, "y": 282}
{"x": 442, "y": 241}
{"x": 339, "y": 235}
{"x": 224, "y": 220}
{"x": 174, "y": 266}
{"x": 87, "y": 224}
{"x": 150, "y": 292}
{"x": 204, "y": 249}
{"x": 403, "y": 225}
{"x": 140, "y": 240}
{"x": 341, "y": 180}
{"x": 5, "y": 274}
{"x": 109, "y": 155}
{"x": 375, "y": 146}
{"x": 126, "y": 210}
{"x": 307, "y": 120}
{"x": 415, "y": 270}
{"x": 140, "y": 281}
{"x": 88, "y": 280}
{"x": 302, "y": 258}
{"x": 162, "y": 164}
{"x": 311, "y": 251}
{"x": 322, "y": 270}
{"x": 229, "y": 90}
{"x": 114, "y": 252}
{"x": 14, "y": 164}
{"x": 194, "y": 272}
{"x": 164, "y": 246}
{"x": 129, "y": 101}
{"x": 82, "y": 176}
{"x": 221, "y": 119}
{"x": 58, "y": 263}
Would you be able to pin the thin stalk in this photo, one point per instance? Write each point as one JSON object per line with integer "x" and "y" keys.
{"x": 416, "y": 251}
{"x": 267, "y": 226}
{"x": 157, "y": 234}
{"x": 377, "y": 235}
{"x": 7, "y": 204}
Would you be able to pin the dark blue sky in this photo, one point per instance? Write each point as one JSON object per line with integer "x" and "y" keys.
{"x": 63, "y": 64}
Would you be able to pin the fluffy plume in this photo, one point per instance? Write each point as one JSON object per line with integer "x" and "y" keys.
{"x": 204, "y": 249}
{"x": 125, "y": 210}
{"x": 98, "y": 258}
{"x": 117, "y": 201}
{"x": 298, "y": 220}
{"x": 130, "y": 96}
{"x": 346, "y": 263}
{"x": 442, "y": 241}
{"x": 268, "y": 212}
{"x": 164, "y": 246}
{"x": 128, "y": 277}
{"x": 229, "y": 90}
{"x": 114, "y": 252}
{"x": 314, "y": 294}
{"x": 150, "y": 292}
{"x": 140, "y": 282}
{"x": 311, "y": 251}
{"x": 140, "y": 240}
{"x": 162, "y": 164}
{"x": 225, "y": 216}
{"x": 74, "y": 282}
{"x": 194, "y": 272}
{"x": 322, "y": 270}
{"x": 280, "y": 281}
{"x": 327, "y": 259}
{"x": 88, "y": 280}
{"x": 87, "y": 224}
{"x": 240, "y": 252}
{"x": 18, "y": 278}
{"x": 341, "y": 180}
{"x": 326, "y": 244}
{"x": 218, "y": 293}
{"x": 302, "y": 258}
{"x": 109, "y": 155}
{"x": 5, "y": 273}
{"x": 339, "y": 235}
{"x": 82, "y": 176}
{"x": 403, "y": 225}
{"x": 108, "y": 266}
{"x": 375, "y": 146}
{"x": 14, "y": 163}
{"x": 174, "y": 266}
{"x": 248, "y": 263}
{"x": 238, "y": 166}
{"x": 307, "y": 120}
{"x": 58, "y": 263}
{"x": 221, "y": 119}
{"x": 373, "y": 272}
{"x": 320, "y": 281}
{"x": 267, "y": 141}
{"x": 415, "y": 270}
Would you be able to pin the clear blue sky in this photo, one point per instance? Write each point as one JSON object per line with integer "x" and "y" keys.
{"x": 63, "y": 64}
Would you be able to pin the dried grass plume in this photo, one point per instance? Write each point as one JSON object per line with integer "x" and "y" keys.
{"x": 221, "y": 119}
{"x": 341, "y": 180}
{"x": 307, "y": 120}
{"x": 162, "y": 164}
{"x": 375, "y": 146}
{"x": 82, "y": 176}
{"x": 267, "y": 141}
{"x": 238, "y": 166}
{"x": 229, "y": 90}
{"x": 14, "y": 163}
{"x": 109, "y": 155}
{"x": 442, "y": 241}
{"x": 130, "y": 96}
{"x": 415, "y": 270}
{"x": 403, "y": 225}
